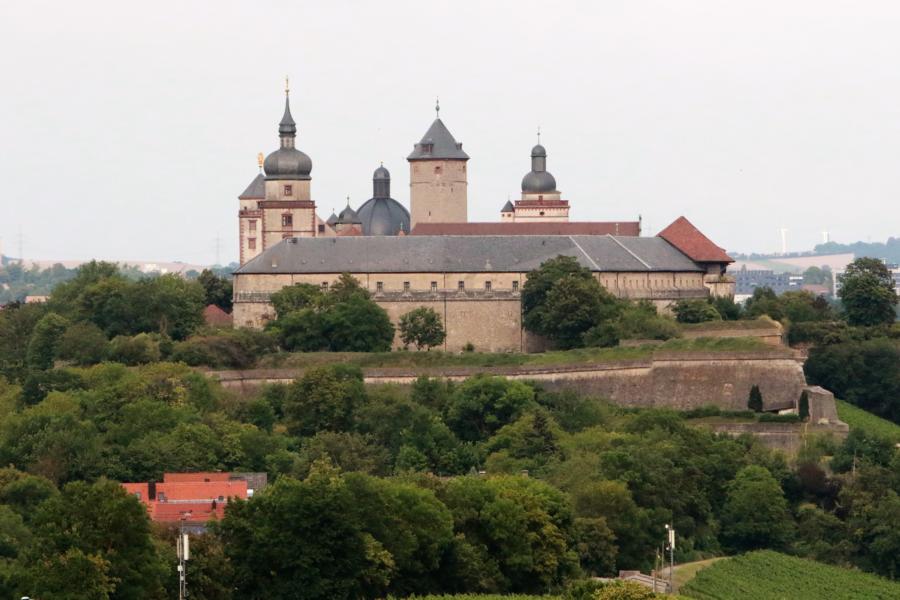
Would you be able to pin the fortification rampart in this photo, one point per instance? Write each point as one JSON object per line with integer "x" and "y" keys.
{"x": 677, "y": 380}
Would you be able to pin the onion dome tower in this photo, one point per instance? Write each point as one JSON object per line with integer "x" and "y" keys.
{"x": 541, "y": 201}
{"x": 381, "y": 214}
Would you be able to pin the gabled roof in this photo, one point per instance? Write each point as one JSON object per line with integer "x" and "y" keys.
{"x": 443, "y": 145}
{"x": 466, "y": 254}
{"x": 508, "y": 207}
{"x": 256, "y": 189}
{"x": 620, "y": 228}
{"x": 683, "y": 235}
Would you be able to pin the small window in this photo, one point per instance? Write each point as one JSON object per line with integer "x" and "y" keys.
{"x": 253, "y": 226}
{"x": 434, "y": 286}
{"x": 321, "y": 228}
{"x": 487, "y": 286}
{"x": 406, "y": 287}
{"x": 287, "y": 220}
{"x": 288, "y": 190}
{"x": 379, "y": 287}
{"x": 221, "y": 498}
{"x": 461, "y": 286}
{"x": 251, "y": 243}
{"x": 438, "y": 170}
{"x": 541, "y": 213}
{"x": 161, "y": 496}
{"x": 515, "y": 286}
{"x": 324, "y": 286}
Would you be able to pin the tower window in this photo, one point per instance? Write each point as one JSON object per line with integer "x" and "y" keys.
{"x": 434, "y": 286}
{"x": 438, "y": 170}
{"x": 321, "y": 229}
{"x": 253, "y": 226}
{"x": 405, "y": 287}
{"x": 288, "y": 190}
{"x": 287, "y": 220}
{"x": 379, "y": 287}
{"x": 251, "y": 243}
{"x": 461, "y": 286}
{"x": 515, "y": 286}
{"x": 487, "y": 286}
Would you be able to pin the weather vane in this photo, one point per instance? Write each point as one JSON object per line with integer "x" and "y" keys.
{"x": 259, "y": 160}
{"x": 539, "y": 134}
{"x": 437, "y": 107}
{"x": 287, "y": 85}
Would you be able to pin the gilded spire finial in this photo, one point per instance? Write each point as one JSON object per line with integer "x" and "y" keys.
{"x": 260, "y": 158}
{"x": 437, "y": 107}
{"x": 287, "y": 86}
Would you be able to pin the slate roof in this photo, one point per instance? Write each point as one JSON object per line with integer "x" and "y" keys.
{"x": 683, "y": 235}
{"x": 465, "y": 254}
{"x": 256, "y": 189}
{"x": 444, "y": 146}
{"x": 629, "y": 228}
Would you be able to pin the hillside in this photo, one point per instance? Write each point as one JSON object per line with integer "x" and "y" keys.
{"x": 767, "y": 575}
{"x": 858, "y": 418}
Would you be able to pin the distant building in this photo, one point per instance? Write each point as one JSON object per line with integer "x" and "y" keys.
{"x": 195, "y": 498}
{"x": 746, "y": 281}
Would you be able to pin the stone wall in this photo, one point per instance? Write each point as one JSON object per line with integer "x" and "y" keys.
{"x": 685, "y": 381}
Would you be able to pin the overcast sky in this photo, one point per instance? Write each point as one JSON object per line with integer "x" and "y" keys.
{"x": 128, "y": 129}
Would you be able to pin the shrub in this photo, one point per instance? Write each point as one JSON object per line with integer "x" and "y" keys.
{"x": 695, "y": 311}
{"x": 237, "y": 349}
{"x": 755, "y": 401}
{"x": 642, "y": 321}
{"x": 140, "y": 349}
{"x": 84, "y": 344}
{"x": 422, "y": 326}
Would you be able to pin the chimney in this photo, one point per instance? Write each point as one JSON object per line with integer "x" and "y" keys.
{"x": 151, "y": 490}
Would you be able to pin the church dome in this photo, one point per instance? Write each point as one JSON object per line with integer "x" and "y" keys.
{"x": 538, "y": 180}
{"x": 287, "y": 163}
{"x": 348, "y": 216}
{"x": 381, "y": 214}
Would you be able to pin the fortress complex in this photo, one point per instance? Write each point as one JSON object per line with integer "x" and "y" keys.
{"x": 431, "y": 255}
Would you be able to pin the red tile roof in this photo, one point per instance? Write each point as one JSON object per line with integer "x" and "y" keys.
{"x": 199, "y": 476}
{"x": 216, "y": 317}
{"x": 683, "y": 235}
{"x": 624, "y": 228}
{"x": 197, "y": 512}
{"x": 199, "y": 490}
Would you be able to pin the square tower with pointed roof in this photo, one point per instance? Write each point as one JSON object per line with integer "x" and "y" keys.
{"x": 438, "y": 186}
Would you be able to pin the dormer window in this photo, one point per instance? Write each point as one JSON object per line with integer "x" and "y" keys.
{"x": 288, "y": 190}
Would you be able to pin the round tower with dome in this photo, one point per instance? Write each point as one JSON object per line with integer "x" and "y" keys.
{"x": 541, "y": 201}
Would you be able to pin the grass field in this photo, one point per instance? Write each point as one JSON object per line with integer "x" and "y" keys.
{"x": 480, "y": 597}
{"x": 858, "y": 418}
{"x": 767, "y": 575}
{"x": 303, "y": 360}
{"x": 753, "y": 324}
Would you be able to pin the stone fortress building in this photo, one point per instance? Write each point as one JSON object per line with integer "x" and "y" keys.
{"x": 470, "y": 273}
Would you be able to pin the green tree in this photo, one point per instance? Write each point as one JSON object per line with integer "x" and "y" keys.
{"x": 484, "y": 404}
{"x": 867, "y": 293}
{"x": 562, "y": 300}
{"x": 45, "y": 340}
{"x": 358, "y": 324}
{"x": 296, "y": 297}
{"x": 756, "y": 514}
{"x": 866, "y": 374}
{"x": 138, "y": 350}
{"x": 72, "y": 575}
{"x": 17, "y": 322}
{"x": 422, "y": 326}
{"x": 302, "y": 330}
{"x": 755, "y": 400}
{"x": 336, "y": 559}
{"x": 764, "y": 301}
{"x": 83, "y": 343}
{"x": 803, "y": 405}
{"x": 695, "y": 311}
{"x": 169, "y": 305}
{"x": 324, "y": 399}
{"x": 803, "y": 306}
{"x": 100, "y": 520}
{"x": 217, "y": 290}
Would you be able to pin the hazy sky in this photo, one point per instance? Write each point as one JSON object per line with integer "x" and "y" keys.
{"x": 128, "y": 129}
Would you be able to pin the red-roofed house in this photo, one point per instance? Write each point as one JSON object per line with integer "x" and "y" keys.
{"x": 194, "y": 497}
{"x": 216, "y": 317}
{"x": 690, "y": 241}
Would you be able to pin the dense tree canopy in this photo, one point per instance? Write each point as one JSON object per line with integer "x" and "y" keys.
{"x": 867, "y": 292}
